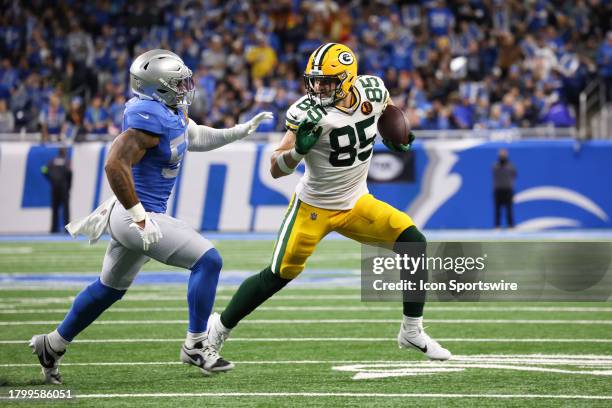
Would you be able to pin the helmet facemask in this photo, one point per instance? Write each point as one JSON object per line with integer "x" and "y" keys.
{"x": 183, "y": 89}
{"x": 325, "y": 90}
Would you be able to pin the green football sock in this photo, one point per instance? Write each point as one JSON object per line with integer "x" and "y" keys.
{"x": 412, "y": 234}
{"x": 252, "y": 292}
{"x": 413, "y": 309}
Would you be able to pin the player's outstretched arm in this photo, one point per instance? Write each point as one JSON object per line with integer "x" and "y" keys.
{"x": 294, "y": 147}
{"x": 203, "y": 138}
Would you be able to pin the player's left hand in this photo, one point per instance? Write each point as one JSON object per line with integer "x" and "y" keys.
{"x": 400, "y": 148}
{"x": 307, "y": 136}
{"x": 256, "y": 120}
{"x": 150, "y": 232}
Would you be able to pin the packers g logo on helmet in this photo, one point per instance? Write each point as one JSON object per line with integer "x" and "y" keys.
{"x": 346, "y": 58}
{"x": 330, "y": 73}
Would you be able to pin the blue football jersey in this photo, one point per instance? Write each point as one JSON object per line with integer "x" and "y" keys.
{"x": 155, "y": 174}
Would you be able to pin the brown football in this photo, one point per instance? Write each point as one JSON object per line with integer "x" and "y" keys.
{"x": 393, "y": 125}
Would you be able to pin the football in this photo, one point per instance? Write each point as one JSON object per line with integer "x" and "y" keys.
{"x": 393, "y": 125}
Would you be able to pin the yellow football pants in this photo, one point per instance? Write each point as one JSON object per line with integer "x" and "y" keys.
{"x": 304, "y": 226}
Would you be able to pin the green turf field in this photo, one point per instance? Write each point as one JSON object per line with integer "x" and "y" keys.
{"x": 315, "y": 345}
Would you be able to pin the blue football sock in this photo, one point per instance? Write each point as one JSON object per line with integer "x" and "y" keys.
{"x": 87, "y": 306}
{"x": 202, "y": 288}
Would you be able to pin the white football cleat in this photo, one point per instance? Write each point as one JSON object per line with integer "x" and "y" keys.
{"x": 217, "y": 333}
{"x": 416, "y": 338}
{"x": 49, "y": 359}
{"x": 204, "y": 356}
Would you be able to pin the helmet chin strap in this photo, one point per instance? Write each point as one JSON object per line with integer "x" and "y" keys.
{"x": 340, "y": 94}
{"x": 326, "y": 101}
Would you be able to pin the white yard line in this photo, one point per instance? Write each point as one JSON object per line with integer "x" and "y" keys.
{"x": 161, "y": 298}
{"x": 336, "y": 309}
{"x": 327, "y": 321}
{"x": 152, "y": 288}
{"x": 337, "y": 339}
{"x": 346, "y": 395}
{"x": 20, "y": 250}
{"x": 145, "y": 363}
{"x": 542, "y": 359}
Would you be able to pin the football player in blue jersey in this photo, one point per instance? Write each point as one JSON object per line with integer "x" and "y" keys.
{"x": 142, "y": 166}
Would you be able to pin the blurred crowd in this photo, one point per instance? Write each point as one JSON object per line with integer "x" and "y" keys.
{"x": 463, "y": 64}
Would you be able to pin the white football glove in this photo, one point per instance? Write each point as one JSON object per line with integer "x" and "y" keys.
{"x": 150, "y": 234}
{"x": 257, "y": 119}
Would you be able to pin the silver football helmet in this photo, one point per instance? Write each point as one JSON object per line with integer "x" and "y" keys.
{"x": 163, "y": 76}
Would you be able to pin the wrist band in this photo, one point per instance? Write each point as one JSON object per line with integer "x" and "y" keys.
{"x": 280, "y": 161}
{"x": 295, "y": 155}
{"x": 137, "y": 212}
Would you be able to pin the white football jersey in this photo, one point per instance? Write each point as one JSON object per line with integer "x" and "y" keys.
{"x": 337, "y": 166}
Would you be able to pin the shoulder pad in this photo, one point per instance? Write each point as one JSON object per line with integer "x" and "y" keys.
{"x": 145, "y": 115}
{"x": 297, "y": 112}
{"x": 373, "y": 89}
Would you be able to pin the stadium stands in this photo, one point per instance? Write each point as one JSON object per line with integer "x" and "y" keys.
{"x": 452, "y": 65}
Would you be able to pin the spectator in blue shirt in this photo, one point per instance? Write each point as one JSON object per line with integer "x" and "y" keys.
{"x": 401, "y": 55}
{"x": 537, "y": 16}
{"x": 496, "y": 121}
{"x": 52, "y": 119}
{"x": 8, "y": 78}
{"x": 558, "y": 113}
{"x": 116, "y": 114}
{"x": 438, "y": 117}
{"x": 463, "y": 114}
{"x": 96, "y": 117}
{"x": 440, "y": 20}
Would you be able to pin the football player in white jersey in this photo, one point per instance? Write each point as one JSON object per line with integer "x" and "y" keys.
{"x": 332, "y": 129}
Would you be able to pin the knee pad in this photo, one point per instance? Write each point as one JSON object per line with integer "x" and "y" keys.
{"x": 210, "y": 261}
